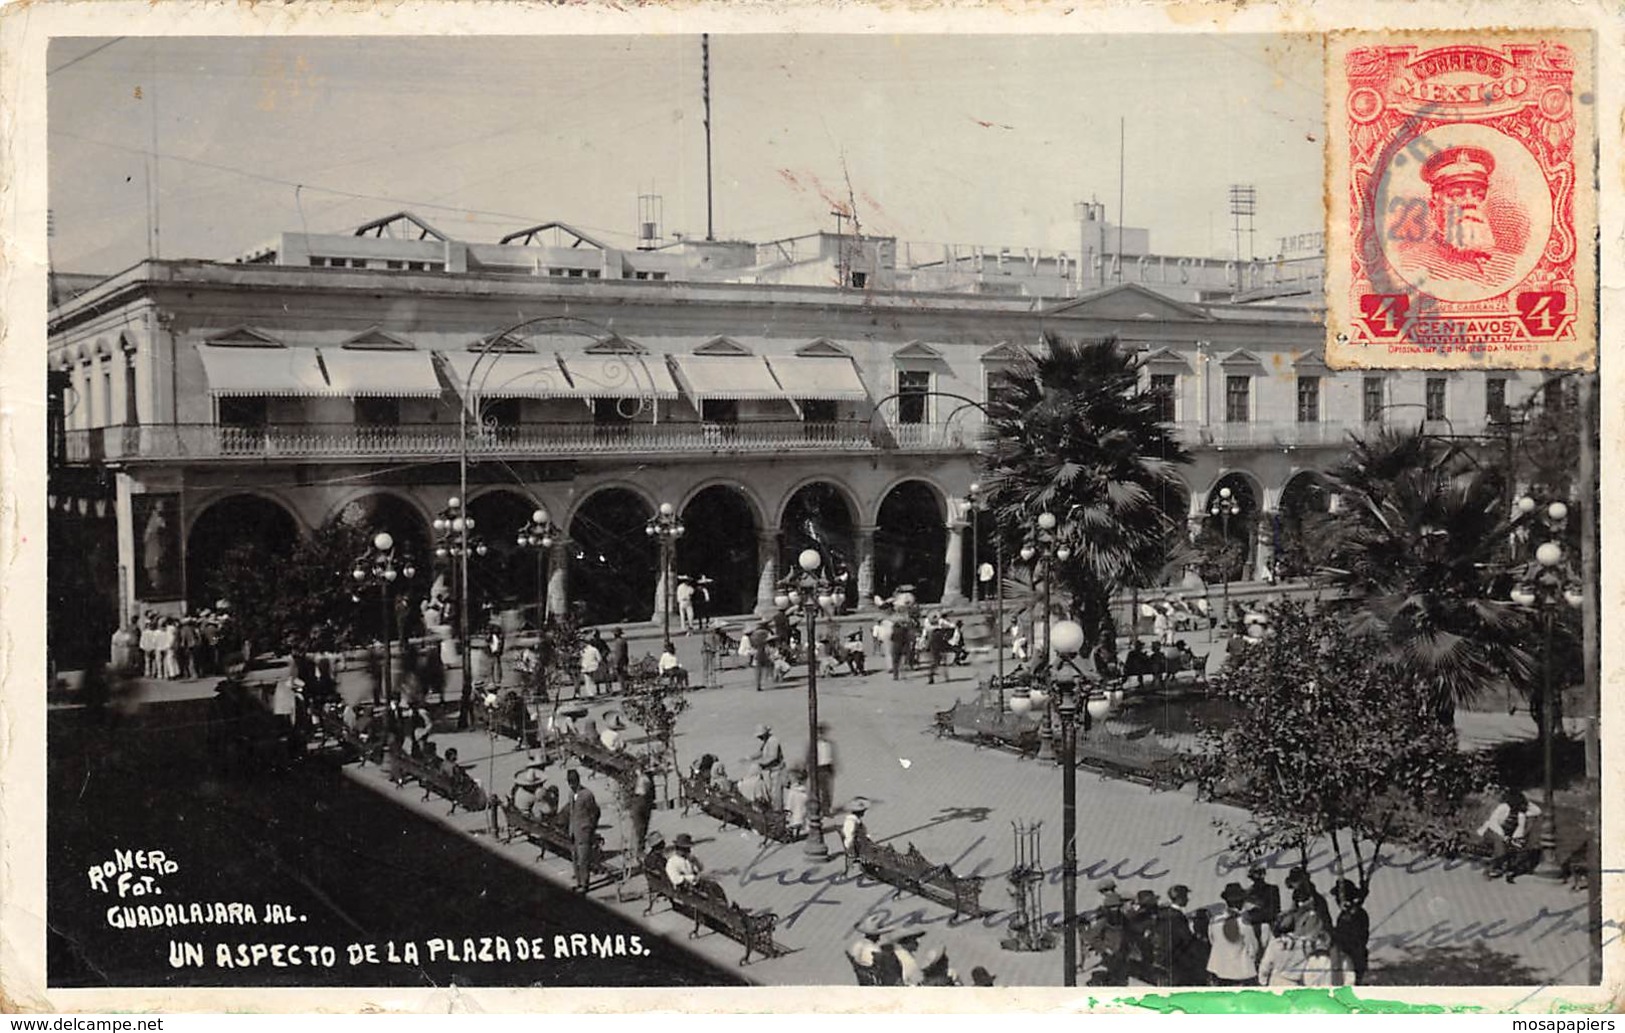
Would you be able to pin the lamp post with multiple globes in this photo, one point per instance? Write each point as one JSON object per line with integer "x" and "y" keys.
{"x": 379, "y": 567}
{"x": 452, "y": 528}
{"x": 1225, "y": 506}
{"x": 1547, "y": 587}
{"x": 665, "y": 527}
{"x": 1045, "y": 550}
{"x": 810, "y": 590}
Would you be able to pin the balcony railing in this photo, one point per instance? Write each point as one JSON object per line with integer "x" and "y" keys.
{"x": 349, "y": 441}
{"x": 332, "y": 441}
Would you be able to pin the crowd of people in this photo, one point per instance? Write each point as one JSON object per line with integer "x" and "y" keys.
{"x": 891, "y": 955}
{"x": 171, "y": 648}
{"x": 1248, "y": 938}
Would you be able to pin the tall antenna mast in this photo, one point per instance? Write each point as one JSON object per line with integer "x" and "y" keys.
{"x": 705, "y": 79}
{"x": 1122, "y": 149}
{"x": 1243, "y": 206}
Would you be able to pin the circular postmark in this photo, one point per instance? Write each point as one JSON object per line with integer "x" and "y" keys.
{"x": 1464, "y": 212}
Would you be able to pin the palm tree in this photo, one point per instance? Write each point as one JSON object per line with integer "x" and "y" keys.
{"x": 1073, "y": 433}
{"x": 1420, "y": 543}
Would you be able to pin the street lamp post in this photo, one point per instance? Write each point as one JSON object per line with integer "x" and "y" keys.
{"x": 1546, "y": 586}
{"x": 379, "y": 567}
{"x": 540, "y": 534}
{"x": 452, "y": 542}
{"x": 1224, "y": 507}
{"x": 1045, "y": 550}
{"x": 1064, "y": 677}
{"x": 976, "y": 496}
{"x": 666, "y": 527}
{"x": 811, "y": 590}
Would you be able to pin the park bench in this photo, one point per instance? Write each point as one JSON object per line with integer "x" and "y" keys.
{"x": 460, "y": 789}
{"x": 551, "y": 834}
{"x": 911, "y": 872}
{"x": 730, "y": 807}
{"x": 986, "y": 724}
{"x": 365, "y": 742}
{"x": 509, "y": 719}
{"x": 1133, "y": 760}
{"x": 594, "y": 756}
{"x": 707, "y": 903}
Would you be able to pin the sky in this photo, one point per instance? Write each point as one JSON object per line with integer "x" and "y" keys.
{"x": 966, "y": 139}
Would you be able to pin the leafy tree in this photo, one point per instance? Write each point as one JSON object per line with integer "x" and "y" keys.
{"x": 1421, "y": 546}
{"x": 1324, "y": 749}
{"x": 1074, "y": 434}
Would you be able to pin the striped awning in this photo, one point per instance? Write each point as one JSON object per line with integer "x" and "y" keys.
{"x": 262, "y": 371}
{"x": 823, "y": 379}
{"x": 362, "y": 373}
{"x": 509, "y": 375}
{"x": 620, "y": 375}
{"x": 727, "y": 376}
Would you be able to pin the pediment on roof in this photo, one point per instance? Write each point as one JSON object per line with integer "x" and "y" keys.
{"x": 615, "y": 344}
{"x": 1311, "y": 362}
{"x": 1165, "y": 358}
{"x": 374, "y": 339}
{"x": 1007, "y": 351}
{"x": 1130, "y": 301}
{"x": 822, "y": 348}
{"x": 1240, "y": 357}
{"x": 722, "y": 346}
{"x": 917, "y": 350}
{"x": 499, "y": 342}
{"x": 242, "y": 337}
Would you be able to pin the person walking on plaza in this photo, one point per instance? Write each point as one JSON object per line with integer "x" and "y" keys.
{"x": 619, "y": 658}
{"x": 826, "y": 770}
{"x": 584, "y": 816}
{"x": 702, "y": 601}
{"x": 640, "y": 808}
{"x": 186, "y": 643}
{"x": 852, "y": 827}
{"x": 682, "y": 867}
{"x": 936, "y": 651}
{"x": 1018, "y": 641}
{"x": 795, "y": 802}
{"x": 494, "y": 647}
{"x": 759, "y": 659}
{"x": 148, "y": 642}
{"x": 591, "y": 660}
{"x": 169, "y": 663}
{"x": 898, "y": 645}
{"x": 1233, "y": 955}
{"x": 768, "y": 761}
{"x": 685, "y": 601}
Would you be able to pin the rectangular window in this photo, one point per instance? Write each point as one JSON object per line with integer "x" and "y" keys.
{"x": 415, "y": 266}
{"x": 107, "y": 393}
{"x": 640, "y": 276}
{"x": 1238, "y": 399}
{"x": 437, "y": 267}
{"x": 132, "y": 413}
{"x": 1553, "y": 394}
{"x": 318, "y": 262}
{"x": 1371, "y": 400}
{"x": 818, "y": 410}
{"x": 503, "y": 412}
{"x": 1165, "y": 387}
{"x": 1308, "y": 399}
{"x": 860, "y": 280}
{"x": 997, "y": 381}
{"x": 395, "y": 263}
{"x": 378, "y": 412}
{"x": 242, "y": 412}
{"x": 1495, "y": 398}
{"x": 913, "y": 395}
{"x": 1435, "y": 398}
{"x": 719, "y": 410}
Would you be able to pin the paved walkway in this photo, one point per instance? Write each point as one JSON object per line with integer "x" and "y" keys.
{"x": 957, "y": 804}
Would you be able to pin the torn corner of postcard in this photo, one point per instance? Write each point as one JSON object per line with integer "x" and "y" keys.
{"x": 1461, "y": 200}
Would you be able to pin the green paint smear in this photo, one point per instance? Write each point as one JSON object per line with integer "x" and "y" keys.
{"x": 1308, "y": 1001}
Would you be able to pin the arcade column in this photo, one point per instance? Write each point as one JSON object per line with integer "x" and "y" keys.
{"x": 954, "y": 562}
{"x": 558, "y": 578}
{"x": 863, "y": 543}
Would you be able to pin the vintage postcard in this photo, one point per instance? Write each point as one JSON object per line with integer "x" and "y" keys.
{"x": 701, "y": 509}
{"x": 1461, "y": 200}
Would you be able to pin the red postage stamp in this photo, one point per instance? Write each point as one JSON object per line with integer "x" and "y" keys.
{"x": 1461, "y": 201}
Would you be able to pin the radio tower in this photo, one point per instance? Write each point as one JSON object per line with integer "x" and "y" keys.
{"x": 1243, "y": 206}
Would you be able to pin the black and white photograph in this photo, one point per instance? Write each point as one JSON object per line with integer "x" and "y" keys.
{"x": 738, "y": 505}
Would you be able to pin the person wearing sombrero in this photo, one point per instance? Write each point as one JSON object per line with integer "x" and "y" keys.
{"x": 685, "y": 601}
{"x": 682, "y": 867}
{"x": 1233, "y": 958}
{"x": 874, "y": 964}
{"x": 904, "y": 943}
{"x": 852, "y": 827}
{"x": 768, "y": 760}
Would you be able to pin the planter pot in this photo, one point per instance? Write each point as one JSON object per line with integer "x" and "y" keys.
{"x": 1020, "y": 703}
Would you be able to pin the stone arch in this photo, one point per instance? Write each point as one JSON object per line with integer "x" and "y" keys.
{"x": 1305, "y": 499}
{"x": 614, "y": 564}
{"x": 848, "y": 495}
{"x": 819, "y": 513}
{"x": 508, "y": 575}
{"x": 246, "y": 520}
{"x": 758, "y": 508}
{"x": 381, "y": 509}
{"x": 1226, "y": 543}
{"x": 910, "y": 538}
{"x": 722, "y": 521}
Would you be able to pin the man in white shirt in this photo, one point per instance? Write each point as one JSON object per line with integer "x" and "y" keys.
{"x": 685, "y": 601}
{"x": 610, "y": 737}
{"x": 851, "y": 826}
{"x": 1508, "y": 828}
{"x": 682, "y": 867}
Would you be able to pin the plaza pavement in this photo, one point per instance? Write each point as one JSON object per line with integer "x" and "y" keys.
{"x": 956, "y": 803}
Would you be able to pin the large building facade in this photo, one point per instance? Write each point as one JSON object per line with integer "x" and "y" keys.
{"x": 368, "y": 377}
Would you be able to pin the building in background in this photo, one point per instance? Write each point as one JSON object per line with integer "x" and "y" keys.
{"x": 802, "y": 392}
